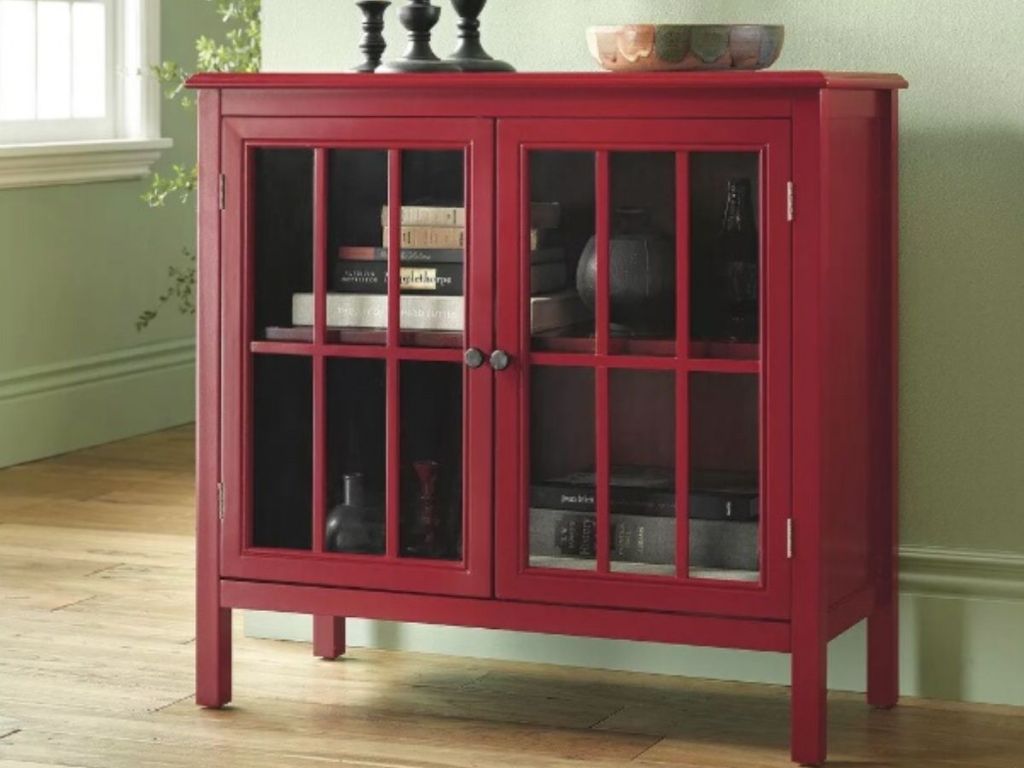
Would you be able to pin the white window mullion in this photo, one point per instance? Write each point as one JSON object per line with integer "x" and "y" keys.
{"x": 75, "y": 44}
{"x": 35, "y": 61}
{"x": 115, "y": 66}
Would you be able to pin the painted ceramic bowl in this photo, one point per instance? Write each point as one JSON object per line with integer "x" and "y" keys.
{"x": 667, "y": 47}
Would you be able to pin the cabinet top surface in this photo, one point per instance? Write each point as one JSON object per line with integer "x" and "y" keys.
{"x": 596, "y": 81}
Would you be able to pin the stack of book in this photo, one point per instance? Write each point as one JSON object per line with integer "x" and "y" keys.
{"x": 432, "y": 275}
{"x": 723, "y": 511}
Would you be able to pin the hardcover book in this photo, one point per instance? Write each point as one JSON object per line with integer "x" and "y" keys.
{"x": 429, "y": 237}
{"x": 557, "y": 310}
{"x": 440, "y": 237}
{"x": 441, "y": 279}
{"x": 543, "y": 255}
{"x": 649, "y": 491}
{"x": 407, "y": 255}
{"x": 645, "y": 539}
{"x": 542, "y": 216}
{"x": 423, "y": 313}
{"x": 361, "y": 310}
{"x": 427, "y": 216}
{"x": 372, "y": 277}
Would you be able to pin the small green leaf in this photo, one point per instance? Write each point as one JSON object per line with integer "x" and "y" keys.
{"x": 240, "y": 52}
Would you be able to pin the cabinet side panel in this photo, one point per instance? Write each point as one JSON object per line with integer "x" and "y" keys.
{"x": 853, "y": 337}
{"x": 213, "y": 621}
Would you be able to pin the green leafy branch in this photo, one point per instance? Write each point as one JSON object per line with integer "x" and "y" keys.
{"x": 182, "y": 291}
{"x": 238, "y": 52}
{"x": 181, "y": 182}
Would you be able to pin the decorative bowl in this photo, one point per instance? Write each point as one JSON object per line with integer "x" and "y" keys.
{"x": 668, "y": 47}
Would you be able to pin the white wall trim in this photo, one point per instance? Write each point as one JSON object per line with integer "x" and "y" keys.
{"x": 38, "y": 165}
{"x": 959, "y": 624}
{"x": 147, "y": 358}
{"x": 962, "y": 573}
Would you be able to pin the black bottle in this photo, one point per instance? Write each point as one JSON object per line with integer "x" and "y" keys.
{"x": 736, "y": 266}
{"x": 354, "y": 526}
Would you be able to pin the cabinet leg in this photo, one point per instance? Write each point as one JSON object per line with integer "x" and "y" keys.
{"x": 809, "y": 704}
{"x": 213, "y": 658}
{"x": 328, "y": 637}
{"x": 883, "y": 654}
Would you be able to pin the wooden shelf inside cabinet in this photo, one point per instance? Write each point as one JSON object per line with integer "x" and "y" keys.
{"x": 367, "y": 336}
{"x": 629, "y": 473}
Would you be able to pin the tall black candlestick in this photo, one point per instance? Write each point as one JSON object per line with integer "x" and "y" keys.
{"x": 373, "y": 42}
{"x": 470, "y": 55}
{"x": 419, "y": 17}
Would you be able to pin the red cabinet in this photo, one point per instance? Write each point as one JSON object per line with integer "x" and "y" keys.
{"x": 586, "y": 354}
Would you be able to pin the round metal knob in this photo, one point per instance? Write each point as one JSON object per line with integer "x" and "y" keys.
{"x": 474, "y": 357}
{"x": 500, "y": 360}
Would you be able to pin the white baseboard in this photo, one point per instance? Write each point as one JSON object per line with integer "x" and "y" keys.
{"x": 962, "y": 573}
{"x": 51, "y": 409}
{"x": 962, "y": 617}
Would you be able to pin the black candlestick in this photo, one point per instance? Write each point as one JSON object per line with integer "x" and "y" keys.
{"x": 419, "y": 17}
{"x": 470, "y": 55}
{"x": 373, "y": 42}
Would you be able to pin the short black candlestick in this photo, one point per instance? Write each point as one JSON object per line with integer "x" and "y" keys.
{"x": 419, "y": 17}
{"x": 470, "y": 55}
{"x": 373, "y": 42}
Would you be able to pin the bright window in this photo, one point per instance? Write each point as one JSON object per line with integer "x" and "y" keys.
{"x": 76, "y": 70}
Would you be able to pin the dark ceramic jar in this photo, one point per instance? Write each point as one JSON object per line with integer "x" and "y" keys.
{"x": 355, "y": 525}
{"x": 641, "y": 276}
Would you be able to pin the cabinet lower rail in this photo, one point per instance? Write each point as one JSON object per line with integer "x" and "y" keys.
{"x": 681, "y": 629}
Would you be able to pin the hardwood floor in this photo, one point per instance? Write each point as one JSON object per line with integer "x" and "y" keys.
{"x": 96, "y": 667}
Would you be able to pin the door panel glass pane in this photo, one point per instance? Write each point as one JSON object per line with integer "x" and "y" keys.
{"x": 89, "y": 66}
{"x": 356, "y": 430}
{"x": 562, "y": 530}
{"x": 17, "y": 60}
{"x": 642, "y": 264}
{"x": 724, "y": 477}
{"x": 53, "y": 95}
{"x": 282, "y": 452}
{"x": 725, "y": 254}
{"x": 283, "y": 247}
{"x": 431, "y": 460}
{"x": 357, "y": 277}
{"x": 561, "y": 231}
{"x": 642, "y": 477}
{"x": 434, "y": 248}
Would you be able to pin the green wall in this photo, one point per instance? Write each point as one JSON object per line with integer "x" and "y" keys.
{"x": 77, "y": 265}
{"x": 961, "y": 324}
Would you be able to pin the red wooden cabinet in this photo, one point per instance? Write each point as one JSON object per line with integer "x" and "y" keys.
{"x": 585, "y": 354}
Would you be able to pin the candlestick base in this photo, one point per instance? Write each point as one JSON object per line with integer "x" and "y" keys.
{"x": 416, "y": 65}
{"x": 419, "y": 17}
{"x": 470, "y": 55}
{"x": 480, "y": 65}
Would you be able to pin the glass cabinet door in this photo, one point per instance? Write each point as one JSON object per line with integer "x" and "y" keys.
{"x": 358, "y": 258}
{"x": 646, "y": 331}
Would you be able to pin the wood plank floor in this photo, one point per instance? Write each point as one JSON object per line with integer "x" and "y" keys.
{"x": 96, "y": 645}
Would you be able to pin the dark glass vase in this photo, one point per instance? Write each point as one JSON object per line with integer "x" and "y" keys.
{"x": 736, "y": 266}
{"x": 355, "y": 526}
{"x": 424, "y": 537}
{"x": 641, "y": 276}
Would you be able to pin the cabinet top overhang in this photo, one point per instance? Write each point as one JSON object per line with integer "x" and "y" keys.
{"x": 595, "y": 82}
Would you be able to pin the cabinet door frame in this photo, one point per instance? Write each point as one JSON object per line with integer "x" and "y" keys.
{"x": 770, "y": 138}
{"x": 473, "y": 575}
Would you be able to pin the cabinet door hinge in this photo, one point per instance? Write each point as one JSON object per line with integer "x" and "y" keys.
{"x": 789, "y": 201}
{"x": 789, "y": 539}
{"x": 222, "y": 193}
{"x": 220, "y": 501}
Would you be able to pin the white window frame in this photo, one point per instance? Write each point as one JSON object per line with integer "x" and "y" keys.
{"x": 123, "y": 145}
